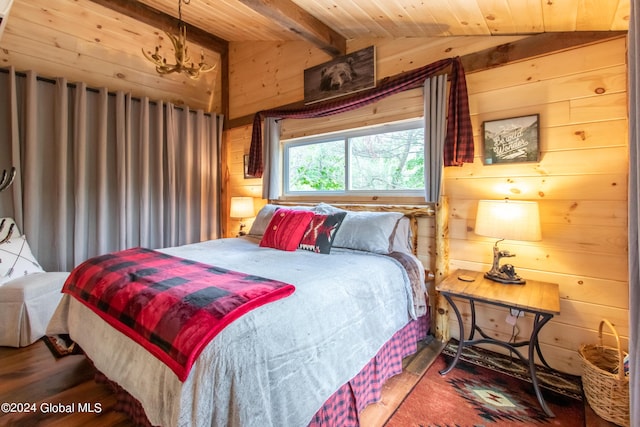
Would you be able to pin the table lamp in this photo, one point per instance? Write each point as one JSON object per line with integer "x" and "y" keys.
{"x": 507, "y": 220}
{"x": 241, "y": 207}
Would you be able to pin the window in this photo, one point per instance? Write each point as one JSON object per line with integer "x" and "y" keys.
{"x": 382, "y": 159}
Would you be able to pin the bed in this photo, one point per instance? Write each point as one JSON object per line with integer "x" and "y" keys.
{"x": 357, "y": 310}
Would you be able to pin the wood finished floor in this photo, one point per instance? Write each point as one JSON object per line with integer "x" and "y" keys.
{"x": 32, "y": 376}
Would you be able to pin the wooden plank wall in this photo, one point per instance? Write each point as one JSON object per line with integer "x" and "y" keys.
{"x": 580, "y": 181}
{"x": 265, "y": 75}
{"x": 580, "y": 184}
{"x": 83, "y": 41}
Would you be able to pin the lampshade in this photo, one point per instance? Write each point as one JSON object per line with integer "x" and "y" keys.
{"x": 241, "y": 207}
{"x": 508, "y": 219}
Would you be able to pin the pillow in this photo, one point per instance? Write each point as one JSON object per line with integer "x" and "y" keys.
{"x": 402, "y": 237}
{"x": 262, "y": 220}
{"x": 16, "y": 259}
{"x": 364, "y": 231}
{"x": 264, "y": 216}
{"x": 321, "y": 231}
{"x": 324, "y": 208}
{"x": 285, "y": 229}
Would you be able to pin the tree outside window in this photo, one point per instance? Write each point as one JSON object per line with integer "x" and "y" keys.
{"x": 373, "y": 161}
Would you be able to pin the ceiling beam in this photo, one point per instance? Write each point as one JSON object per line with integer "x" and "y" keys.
{"x": 531, "y": 47}
{"x": 150, "y": 16}
{"x": 293, "y": 18}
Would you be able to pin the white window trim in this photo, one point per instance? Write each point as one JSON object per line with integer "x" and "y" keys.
{"x": 351, "y": 195}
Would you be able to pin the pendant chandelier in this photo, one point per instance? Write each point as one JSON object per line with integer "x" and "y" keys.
{"x": 183, "y": 62}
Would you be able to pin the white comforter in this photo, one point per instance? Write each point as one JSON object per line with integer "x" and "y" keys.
{"x": 277, "y": 364}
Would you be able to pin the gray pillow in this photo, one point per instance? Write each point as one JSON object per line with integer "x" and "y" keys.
{"x": 262, "y": 220}
{"x": 364, "y": 230}
{"x": 402, "y": 237}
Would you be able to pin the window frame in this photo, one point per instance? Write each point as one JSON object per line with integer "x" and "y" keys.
{"x": 345, "y": 135}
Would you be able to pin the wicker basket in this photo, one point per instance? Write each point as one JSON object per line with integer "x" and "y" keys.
{"x": 603, "y": 380}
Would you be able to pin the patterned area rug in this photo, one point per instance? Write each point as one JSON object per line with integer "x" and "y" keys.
{"x": 476, "y": 396}
{"x": 569, "y": 385}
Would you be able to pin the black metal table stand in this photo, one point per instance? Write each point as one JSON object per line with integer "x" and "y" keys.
{"x": 540, "y": 320}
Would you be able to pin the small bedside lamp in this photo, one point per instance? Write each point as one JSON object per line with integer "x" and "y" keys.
{"x": 241, "y": 207}
{"x": 507, "y": 220}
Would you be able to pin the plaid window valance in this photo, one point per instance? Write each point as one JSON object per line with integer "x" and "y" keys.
{"x": 458, "y": 147}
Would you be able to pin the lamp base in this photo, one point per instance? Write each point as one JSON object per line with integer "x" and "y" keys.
{"x": 504, "y": 278}
{"x": 506, "y": 273}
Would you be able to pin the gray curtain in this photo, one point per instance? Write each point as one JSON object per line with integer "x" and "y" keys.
{"x": 271, "y": 181}
{"x": 435, "y": 129}
{"x": 99, "y": 171}
{"x": 634, "y": 215}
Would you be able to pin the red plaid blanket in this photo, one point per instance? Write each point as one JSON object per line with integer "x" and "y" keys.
{"x": 171, "y": 306}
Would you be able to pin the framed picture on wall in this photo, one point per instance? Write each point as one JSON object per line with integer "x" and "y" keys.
{"x": 511, "y": 140}
{"x": 246, "y": 167}
{"x": 341, "y": 76}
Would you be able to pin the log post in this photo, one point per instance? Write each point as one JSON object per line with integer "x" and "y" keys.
{"x": 442, "y": 268}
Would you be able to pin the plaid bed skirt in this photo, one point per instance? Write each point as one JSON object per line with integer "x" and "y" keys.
{"x": 343, "y": 407}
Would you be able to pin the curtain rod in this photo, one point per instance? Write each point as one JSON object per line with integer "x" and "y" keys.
{"x": 90, "y": 89}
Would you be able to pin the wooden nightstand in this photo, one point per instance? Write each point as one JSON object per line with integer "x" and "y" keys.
{"x": 542, "y": 299}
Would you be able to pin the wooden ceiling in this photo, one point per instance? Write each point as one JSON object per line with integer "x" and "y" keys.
{"x": 328, "y": 24}
{"x": 99, "y": 42}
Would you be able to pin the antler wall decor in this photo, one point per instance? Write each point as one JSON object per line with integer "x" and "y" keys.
{"x": 9, "y": 233}
{"x": 7, "y": 178}
{"x": 5, "y": 182}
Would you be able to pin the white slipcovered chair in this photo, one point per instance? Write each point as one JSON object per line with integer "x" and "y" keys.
{"x": 29, "y": 296}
